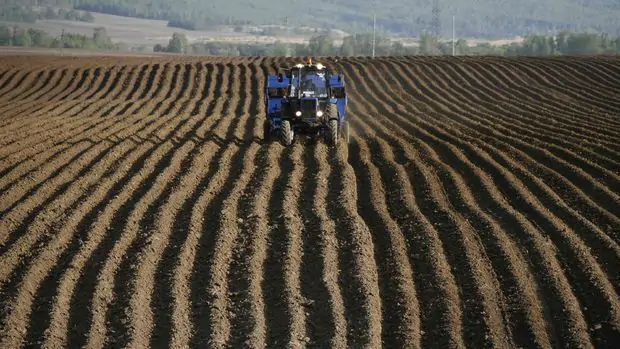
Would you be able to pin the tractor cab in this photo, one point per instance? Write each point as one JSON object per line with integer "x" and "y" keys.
{"x": 307, "y": 97}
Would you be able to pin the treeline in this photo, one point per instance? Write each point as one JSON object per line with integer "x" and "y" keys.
{"x": 361, "y": 45}
{"x": 25, "y": 14}
{"x": 473, "y": 19}
{"x": 22, "y": 37}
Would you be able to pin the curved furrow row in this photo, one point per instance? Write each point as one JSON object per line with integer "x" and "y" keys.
{"x": 568, "y": 87}
{"x": 564, "y": 289}
{"x": 25, "y": 113}
{"x": 42, "y": 107}
{"x": 22, "y": 81}
{"x": 578, "y": 199}
{"x": 563, "y": 106}
{"x": 490, "y": 97}
{"x": 111, "y": 295}
{"x": 25, "y": 176}
{"x": 573, "y": 249}
{"x": 604, "y": 87}
{"x": 483, "y": 303}
{"x": 574, "y": 173}
{"x": 57, "y": 123}
{"x": 608, "y": 178}
{"x": 76, "y": 283}
{"x": 602, "y": 203}
{"x": 359, "y": 280}
{"x": 146, "y": 270}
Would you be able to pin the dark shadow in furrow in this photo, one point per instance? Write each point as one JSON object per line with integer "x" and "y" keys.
{"x": 117, "y": 317}
{"x": 184, "y": 85}
{"x": 205, "y": 92}
{"x": 277, "y": 314}
{"x": 120, "y": 112}
{"x": 125, "y": 85}
{"x": 474, "y": 330}
{"x": 509, "y": 223}
{"x": 74, "y": 76}
{"x": 357, "y": 323}
{"x": 91, "y": 83}
{"x": 138, "y": 82}
{"x": 527, "y": 126}
{"x": 605, "y": 254}
{"x": 32, "y": 84}
{"x": 520, "y": 330}
{"x": 109, "y": 111}
{"x": 388, "y": 286}
{"x": 80, "y": 83}
{"x": 254, "y": 105}
{"x": 561, "y": 154}
{"x": 117, "y": 78}
{"x": 160, "y": 85}
{"x": 44, "y": 85}
{"x": 163, "y": 299}
{"x": 558, "y": 168}
{"x": 320, "y": 326}
{"x": 173, "y": 85}
{"x": 9, "y": 80}
{"x": 2, "y": 75}
{"x": 104, "y": 82}
{"x": 43, "y": 299}
{"x": 238, "y": 283}
{"x": 21, "y": 81}
{"x": 200, "y": 277}
{"x": 149, "y": 81}
{"x": 23, "y": 227}
{"x": 428, "y": 207}
{"x": 192, "y": 94}
{"x": 18, "y": 274}
{"x": 80, "y": 317}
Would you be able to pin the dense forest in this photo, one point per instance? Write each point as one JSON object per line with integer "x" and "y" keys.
{"x": 482, "y": 18}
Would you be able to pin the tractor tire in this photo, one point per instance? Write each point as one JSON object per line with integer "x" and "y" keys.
{"x": 286, "y": 134}
{"x": 333, "y": 132}
{"x": 332, "y": 116}
{"x": 266, "y": 130}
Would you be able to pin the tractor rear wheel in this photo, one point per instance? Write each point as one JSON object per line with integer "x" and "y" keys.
{"x": 332, "y": 116}
{"x": 333, "y": 131}
{"x": 286, "y": 133}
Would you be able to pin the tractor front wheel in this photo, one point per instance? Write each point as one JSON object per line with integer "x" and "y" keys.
{"x": 286, "y": 133}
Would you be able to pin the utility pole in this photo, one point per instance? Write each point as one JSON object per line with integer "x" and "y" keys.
{"x": 453, "y": 38}
{"x": 374, "y": 26}
{"x": 436, "y": 22}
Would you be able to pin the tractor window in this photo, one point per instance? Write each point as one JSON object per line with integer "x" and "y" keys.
{"x": 276, "y": 92}
{"x": 337, "y": 92}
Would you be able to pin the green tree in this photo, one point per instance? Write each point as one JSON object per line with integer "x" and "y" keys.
{"x": 348, "y": 46}
{"x": 321, "y": 45}
{"x": 178, "y": 43}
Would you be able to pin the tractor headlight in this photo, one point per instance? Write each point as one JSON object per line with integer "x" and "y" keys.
{"x": 298, "y": 113}
{"x": 319, "y": 113}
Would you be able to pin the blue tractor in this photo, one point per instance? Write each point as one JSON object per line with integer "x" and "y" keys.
{"x": 306, "y": 98}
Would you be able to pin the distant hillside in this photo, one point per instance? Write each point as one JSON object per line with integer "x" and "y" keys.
{"x": 478, "y": 18}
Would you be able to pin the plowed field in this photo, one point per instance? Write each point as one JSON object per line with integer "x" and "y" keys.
{"x": 477, "y": 206}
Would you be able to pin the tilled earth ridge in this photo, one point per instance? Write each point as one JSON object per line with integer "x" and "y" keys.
{"x": 477, "y": 206}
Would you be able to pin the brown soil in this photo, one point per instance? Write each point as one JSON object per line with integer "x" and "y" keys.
{"x": 478, "y": 205}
